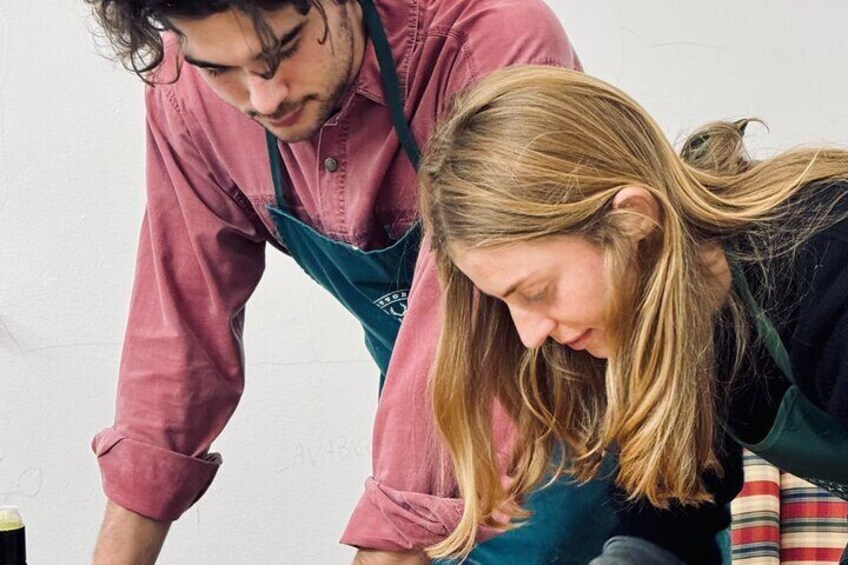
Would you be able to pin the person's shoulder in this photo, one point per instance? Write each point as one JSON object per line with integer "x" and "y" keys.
{"x": 180, "y": 100}
{"x": 819, "y": 265}
{"x": 503, "y": 22}
{"x": 490, "y": 34}
{"x": 517, "y": 14}
{"x": 173, "y": 81}
{"x": 833, "y": 197}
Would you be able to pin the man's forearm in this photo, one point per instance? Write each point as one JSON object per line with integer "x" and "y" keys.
{"x": 127, "y": 538}
{"x": 375, "y": 557}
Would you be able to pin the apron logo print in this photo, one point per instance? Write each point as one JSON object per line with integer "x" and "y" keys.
{"x": 835, "y": 489}
{"x": 394, "y": 303}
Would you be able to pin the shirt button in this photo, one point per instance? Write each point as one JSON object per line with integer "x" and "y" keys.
{"x": 331, "y": 164}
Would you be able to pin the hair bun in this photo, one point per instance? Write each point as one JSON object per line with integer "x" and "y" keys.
{"x": 719, "y": 148}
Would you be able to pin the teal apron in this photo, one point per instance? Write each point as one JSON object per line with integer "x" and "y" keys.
{"x": 804, "y": 439}
{"x": 372, "y": 285}
{"x": 570, "y": 523}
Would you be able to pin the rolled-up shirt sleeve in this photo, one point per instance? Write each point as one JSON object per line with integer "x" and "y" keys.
{"x": 181, "y": 375}
{"x": 411, "y": 501}
{"x": 407, "y": 504}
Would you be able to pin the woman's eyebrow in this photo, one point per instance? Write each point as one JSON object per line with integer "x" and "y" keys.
{"x": 512, "y": 288}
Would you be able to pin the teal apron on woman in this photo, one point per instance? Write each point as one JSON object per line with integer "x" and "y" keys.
{"x": 569, "y": 524}
{"x": 804, "y": 439}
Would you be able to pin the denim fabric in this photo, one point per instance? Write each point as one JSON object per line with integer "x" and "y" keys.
{"x": 626, "y": 550}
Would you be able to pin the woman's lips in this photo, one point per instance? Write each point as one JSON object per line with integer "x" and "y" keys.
{"x": 579, "y": 342}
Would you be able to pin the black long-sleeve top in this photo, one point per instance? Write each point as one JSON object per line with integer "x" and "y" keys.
{"x": 808, "y": 304}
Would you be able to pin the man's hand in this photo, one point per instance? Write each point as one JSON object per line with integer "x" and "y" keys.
{"x": 127, "y": 538}
{"x": 374, "y": 557}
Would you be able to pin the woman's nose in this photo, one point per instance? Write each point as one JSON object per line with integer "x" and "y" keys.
{"x": 533, "y": 327}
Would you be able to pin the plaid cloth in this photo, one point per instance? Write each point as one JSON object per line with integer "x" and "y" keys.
{"x": 781, "y": 519}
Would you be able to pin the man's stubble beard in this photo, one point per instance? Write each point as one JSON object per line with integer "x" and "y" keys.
{"x": 332, "y": 104}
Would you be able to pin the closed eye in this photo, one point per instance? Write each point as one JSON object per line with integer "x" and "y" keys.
{"x": 536, "y": 297}
{"x": 286, "y": 47}
{"x": 214, "y": 71}
{"x": 285, "y": 54}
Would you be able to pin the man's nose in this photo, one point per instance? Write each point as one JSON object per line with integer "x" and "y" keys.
{"x": 266, "y": 95}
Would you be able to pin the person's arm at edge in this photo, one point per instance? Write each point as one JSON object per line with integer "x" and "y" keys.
{"x": 823, "y": 326}
{"x": 378, "y": 557}
{"x": 199, "y": 260}
{"x": 127, "y": 538}
{"x": 670, "y": 531}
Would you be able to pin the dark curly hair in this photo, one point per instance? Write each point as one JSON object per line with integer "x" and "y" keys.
{"x": 134, "y": 27}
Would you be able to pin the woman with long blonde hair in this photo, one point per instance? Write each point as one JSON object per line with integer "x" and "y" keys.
{"x": 619, "y": 299}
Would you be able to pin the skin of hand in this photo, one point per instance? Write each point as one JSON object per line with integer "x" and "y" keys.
{"x": 127, "y": 538}
{"x": 375, "y": 557}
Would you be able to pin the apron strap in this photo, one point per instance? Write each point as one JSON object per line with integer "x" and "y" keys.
{"x": 390, "y": 80}
{"x": 276, "y": 168}
{"x": 765, "y": 328}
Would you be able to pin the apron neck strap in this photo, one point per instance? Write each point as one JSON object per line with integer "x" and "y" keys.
{"x": 767, "y": 332}
{"x": 276, "y": 168}
{"x": 390, "y": 80}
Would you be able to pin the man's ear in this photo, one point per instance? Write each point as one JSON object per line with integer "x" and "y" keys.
{"x": 637, "y": 211}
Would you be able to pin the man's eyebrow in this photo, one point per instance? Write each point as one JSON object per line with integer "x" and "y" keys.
{"x": 203, "y": 64}
{"x": 287, "y": 38}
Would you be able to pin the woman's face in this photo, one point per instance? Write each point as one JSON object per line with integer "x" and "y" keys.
{"x": 554, "y": 287}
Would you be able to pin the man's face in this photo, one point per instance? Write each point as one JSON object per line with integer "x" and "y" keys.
{"x": 294, "y": 100}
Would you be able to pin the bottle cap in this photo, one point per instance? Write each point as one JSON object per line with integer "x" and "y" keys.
{"x": 12, "y": 537}
{"x": 10, "y": 519}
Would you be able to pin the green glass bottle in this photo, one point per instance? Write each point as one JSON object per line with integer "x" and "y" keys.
{"x": 12, "y": 537}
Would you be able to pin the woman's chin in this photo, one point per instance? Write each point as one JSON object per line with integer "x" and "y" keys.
{"x": 596, "y": 347}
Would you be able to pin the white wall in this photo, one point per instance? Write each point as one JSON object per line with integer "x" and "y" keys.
{"x": 297, "y": 450}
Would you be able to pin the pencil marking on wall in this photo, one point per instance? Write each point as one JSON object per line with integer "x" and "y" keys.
{"x": 74, "y": 346}
{"x": 9, "y": 341}
{"x": 28, "y": 484}
{"x": 310, "y": 362}
{"x": 313, "y": 454}
{"x": 4, "y": 66}
{"x": 684, "y": 44}
{"x": 7, "y": 336}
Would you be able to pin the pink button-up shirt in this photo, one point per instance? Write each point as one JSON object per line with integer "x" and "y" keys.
{"x": 201, "y": 254}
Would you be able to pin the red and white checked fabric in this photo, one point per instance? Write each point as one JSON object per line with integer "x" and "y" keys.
{"x": 781, "y": 519}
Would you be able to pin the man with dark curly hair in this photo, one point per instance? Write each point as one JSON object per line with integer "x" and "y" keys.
{"x": 297, "y": 123}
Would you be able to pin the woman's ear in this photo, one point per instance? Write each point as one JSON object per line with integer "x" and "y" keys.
{"x": 637, "y": 211}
